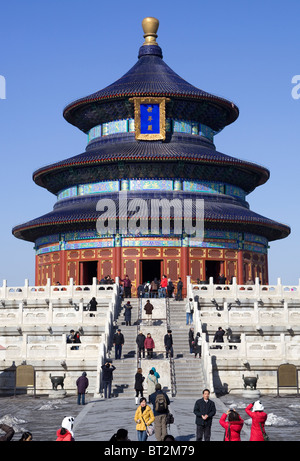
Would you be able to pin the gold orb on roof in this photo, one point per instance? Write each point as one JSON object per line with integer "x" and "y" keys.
{"x": 150, "y": 26}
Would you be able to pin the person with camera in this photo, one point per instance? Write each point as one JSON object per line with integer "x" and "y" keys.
{"x": 107, "y": 377}
{"x": 232, "y": 426}
{"x": 256, "y": 412}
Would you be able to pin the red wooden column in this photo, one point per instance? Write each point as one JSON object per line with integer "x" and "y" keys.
{"x": 62, "y": 268}
{"x": 222, "y": 268}
{"x": 266, "y": 270}
{"x": 240, "y": 268}
{"x": 117, "y": 262}
{"x": 37, "y": 271}
{"x": 184, "y": 267}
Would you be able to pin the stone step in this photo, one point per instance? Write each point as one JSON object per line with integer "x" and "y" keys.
{"x": 123, "y": 376}
{"x": 195, "y": 383}
{"x": 181, "y": 377}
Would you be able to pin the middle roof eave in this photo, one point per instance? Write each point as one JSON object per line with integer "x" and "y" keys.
{"x": 143, "y": 152}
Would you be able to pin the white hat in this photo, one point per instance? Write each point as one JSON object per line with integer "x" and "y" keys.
{"x": 258, "y": 406}
{"x": 67, "y": 423}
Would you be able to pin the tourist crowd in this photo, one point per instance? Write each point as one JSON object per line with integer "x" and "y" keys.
{"x": 155, "y": 289}
{"x": 154, "y": 421}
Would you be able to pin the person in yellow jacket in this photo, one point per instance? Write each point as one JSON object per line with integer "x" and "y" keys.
{"x": 143, "y": 417}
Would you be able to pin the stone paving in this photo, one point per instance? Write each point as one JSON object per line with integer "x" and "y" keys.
{"x": 98, "y": 420}
{"x": 120, "y": 413}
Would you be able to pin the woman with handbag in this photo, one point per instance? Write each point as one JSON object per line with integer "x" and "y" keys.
{"x": 144, "y": 417}
{"x": 232, "y": 426}
{"x": 197, "y": 345}
{"x": 138, "y": 385}
{"x": 259, "y": 417}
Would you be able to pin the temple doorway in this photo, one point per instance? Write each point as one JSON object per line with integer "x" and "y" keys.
{"x": 149, "y": 269}
{"x": 87, "y": 271}
{"x": 212, "y": 269}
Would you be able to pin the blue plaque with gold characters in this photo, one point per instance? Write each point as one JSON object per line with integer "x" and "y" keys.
{"x": 150, "y": 118}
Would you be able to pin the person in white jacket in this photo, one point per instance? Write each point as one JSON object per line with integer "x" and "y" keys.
{"x": 189, "y": 309}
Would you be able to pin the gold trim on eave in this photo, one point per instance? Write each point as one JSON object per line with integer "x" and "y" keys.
{"x": 162, "y": 118}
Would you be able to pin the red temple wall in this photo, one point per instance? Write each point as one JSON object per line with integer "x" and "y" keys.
{"x": 174, "y": 262}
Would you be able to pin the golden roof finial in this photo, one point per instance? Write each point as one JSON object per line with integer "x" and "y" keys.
{"x": 150, "y": 26}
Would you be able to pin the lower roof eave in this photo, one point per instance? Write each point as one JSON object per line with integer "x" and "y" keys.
{"x": 30, "y": 231}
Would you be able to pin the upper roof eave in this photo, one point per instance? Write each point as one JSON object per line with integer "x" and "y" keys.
{"x": 150, "y": 76}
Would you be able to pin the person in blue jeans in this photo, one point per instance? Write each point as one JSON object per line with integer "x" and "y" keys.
{"x": 118, "y": 342}
{"x": 189, "y": 309}
{"x": 82, "y": 385}
{"x": 143, "y": 417}
{"x": 107, "y": 377}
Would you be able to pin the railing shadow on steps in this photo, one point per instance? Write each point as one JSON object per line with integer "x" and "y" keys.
{"x": 138, "y": 323}
{"x": 120, "y": 389}
{"x": 109, "y": 332}
{"x": 172, "y": 363}
{"x": 157, "y": 355}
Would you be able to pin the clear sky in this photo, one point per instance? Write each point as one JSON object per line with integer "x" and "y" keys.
{"x": 53, "y": 52}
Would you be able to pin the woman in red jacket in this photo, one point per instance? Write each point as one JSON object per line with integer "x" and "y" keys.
{"x": 256, "y": 412}
{"x": 232, "y": 426}
{"x": 149, "y": 345}
{"x": 65, "y": 433}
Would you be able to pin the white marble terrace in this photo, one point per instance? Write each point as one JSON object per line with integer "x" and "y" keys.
{"x": 267, "y": 318}
{"x": 35, "y": 321}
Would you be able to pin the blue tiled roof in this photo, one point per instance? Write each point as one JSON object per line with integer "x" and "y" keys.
{"x": 150, "y": 76}
{"x": 219, "y": 213}
{"x": 180, "y": 149}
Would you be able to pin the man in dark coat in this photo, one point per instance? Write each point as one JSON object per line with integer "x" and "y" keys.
{"x": 204, "y": 410}
{"x": 107, "y": 377}
{"x": 140, "y": 340}
{"x": 93, "y": 304}
{"x": 148, "y": 308}
{"x": 127, "y": 313}
{"x": 218, "y": 338}
{"x": 168, "y": 341}
{"x": 118, "y": 342}
{"x": 179, "y": 290}
{"x": 82, "y": 385}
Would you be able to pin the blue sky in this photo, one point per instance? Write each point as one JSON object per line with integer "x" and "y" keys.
{"x": 53, "y": 52}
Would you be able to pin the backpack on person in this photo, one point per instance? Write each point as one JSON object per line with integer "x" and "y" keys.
{"x": 160, "y": 403}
